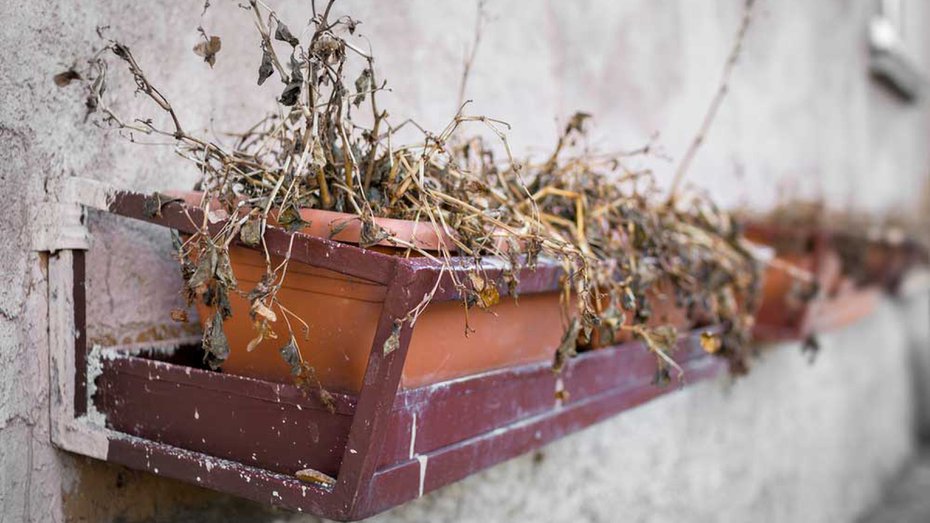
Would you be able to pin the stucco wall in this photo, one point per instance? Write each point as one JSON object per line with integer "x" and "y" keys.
{"x": 792, "y": 441}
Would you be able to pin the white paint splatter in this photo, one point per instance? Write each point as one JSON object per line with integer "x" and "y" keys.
{"x": 413, "y": 435}
{"x": 422, "y": 460}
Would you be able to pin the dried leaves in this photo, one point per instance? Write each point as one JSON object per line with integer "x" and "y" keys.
{"x": 293, "y": 88}
{"x": 362, "y": 86}
{"x": 392, "y": 343}
{"x": 710, "y": 342}
{"x": 65, "y": 78}
{"x": 208, "y": 49}
{"x": 485, "y": 293}
{"x": 153, "y": 206}
{"x": 215, "y": 346}
{"x": 179, "y": 315}
{"x": 251, "y": 232}
{"x": 316, "y": 477}
{"x": 568, "y": 347}
{"x": 604, "y": 223}
{"x": 291, "y": 220}
{"x": 304, "y": 374}
{"x": 266, "y": 69}
{"x": 291, "y": 355}
{"x": 371, "y": 234}
{"x": 283, "y": 34}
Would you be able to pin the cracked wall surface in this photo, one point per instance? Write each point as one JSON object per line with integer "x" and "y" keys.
{"x": 802, "y": 118}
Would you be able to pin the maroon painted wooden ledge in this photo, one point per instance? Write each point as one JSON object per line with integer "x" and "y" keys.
{"x": 383, "y": 447}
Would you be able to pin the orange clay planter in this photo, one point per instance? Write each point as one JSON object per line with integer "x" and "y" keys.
{"x": 342, "y": 313}
{"x": 881, "y": 261}
{"x": 805, "y": 263}
{"x": 664, "y": 312}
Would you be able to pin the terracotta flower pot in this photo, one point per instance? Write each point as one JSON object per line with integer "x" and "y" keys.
{"x": 664, "y": 311}
{"x": 785, "y": 297}
{"x": 886, "y": 264}
{"x": 343, "y": 311}
{"x": 805, "y": 290}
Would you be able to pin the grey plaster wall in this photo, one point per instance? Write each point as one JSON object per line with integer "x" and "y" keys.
{"x": 792, "y": 441}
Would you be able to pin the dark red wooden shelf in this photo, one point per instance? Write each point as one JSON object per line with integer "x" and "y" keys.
{"x": 183, "y": 419}
{"x": 187, "y": 422}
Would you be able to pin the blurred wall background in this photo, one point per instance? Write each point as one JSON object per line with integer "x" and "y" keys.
{"x": 803, "y": 119}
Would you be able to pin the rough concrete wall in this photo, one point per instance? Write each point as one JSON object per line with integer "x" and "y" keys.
{"x": 802, "y": 116}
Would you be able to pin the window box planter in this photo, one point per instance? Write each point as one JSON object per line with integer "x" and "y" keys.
{"x": 883, "y": 260}
{"x": 807, "y": 290}
{"x": 384, "y": 444}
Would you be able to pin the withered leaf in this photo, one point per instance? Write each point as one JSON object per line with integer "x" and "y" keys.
{"x": 486, "y": 291}
{"x": 251, "y": 232}
{"x": 208, "y": 49}
{"x": 263, "y": 331}
{"x": 260, "y": 310}
{"x": 283, "y": 34}
{"x": 576, "y": 123}
{"x": 568, "y": 347}
{"x": 206, "y": 268}
{"x": 263, "y": 287}
{"x": 291, "y": 355}
{"x": 362, "y": 86}
{"x": 266, "y": 69}
{"x": 327, "y": 399}
{"x": 215, "y": 345}
{"x": 318, "y": 158}
{"x": 393, "y": 341}
{"x": 179, "y": 315}
{"x": 222, "y": 301}
{"x": 153, "y": 205}
{"x": 65, "y": 78}
{"x": 254, "y": 342}
{"x": 371, "y": 234}
{"x": 224, "y": 272}
{"x": 291, "y": 92}
{"x": 315, "y": 476}
{"x": 291, "y": 220}
{"x": 665, "y": 337}
{"x": 336, "y": 227}
{"x": 710, "y": 342}
{"x": 811, "y": 347}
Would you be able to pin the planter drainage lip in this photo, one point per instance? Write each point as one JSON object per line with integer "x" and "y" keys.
{"x": 377, "y": 449}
